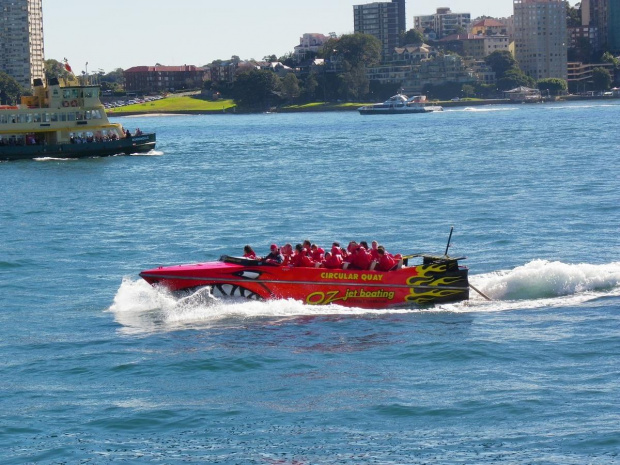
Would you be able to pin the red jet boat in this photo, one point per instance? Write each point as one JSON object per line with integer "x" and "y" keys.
{"x": 438, "y": 279}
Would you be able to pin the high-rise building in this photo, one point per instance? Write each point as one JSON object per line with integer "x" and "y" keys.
{"x": 402, "y": 14}
{"x": 614, "y": 26}
{"x": 21, "y": 40}
{"x": 595, "y": 15}
{"x": 541, "y": 37}
{"x": 443, "y": 23}
{"x": 384, "y": 20}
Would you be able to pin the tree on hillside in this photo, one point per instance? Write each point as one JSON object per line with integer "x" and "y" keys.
{"x": 55, "y": 69}
{"x": 609, "y": 58}
{"x": 288, "y": 59}
{"x": 601, "y": 79}
{"x": 411, "y": 37}
{"x": 554, "y": 86}
{"x": 114, "y": 80}
{"x": 10, "y": 90}
{"x": 355, "y": 49}
{"x": 501, "y": 61}
{"x": 581, "y": 51}
{"x": 467, "y": 90}
{"x": 290, "y": 86}
{"x": 353, "y": 53}
{"x": 514, "y": 78}
{"x": 353, "y": 84}
{"x": 256, "y": 89}
{"x": 573, "y": 15}
{"x": 310, "y": 86}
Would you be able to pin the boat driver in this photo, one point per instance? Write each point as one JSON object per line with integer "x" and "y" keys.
{"x": 274, "y": 257}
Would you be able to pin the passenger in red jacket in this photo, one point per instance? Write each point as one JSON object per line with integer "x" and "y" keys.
{"x": 248, "y": 252}
{"x": 373, "y": 250}
{"x": 350, "y": 253}
{"x": 287, "y": 253}
{"x": 386, "y": 261}
{"x": 301, "y": 258}
{"x": 317, "y": 253}
{"x": 361, "y": 259}
{"x": 333, "y": 261}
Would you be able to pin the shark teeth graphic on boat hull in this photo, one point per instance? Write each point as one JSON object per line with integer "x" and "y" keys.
{"x": 230, "y": 290}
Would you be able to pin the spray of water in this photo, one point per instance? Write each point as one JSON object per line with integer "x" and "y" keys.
{"x": 140, "y": 307}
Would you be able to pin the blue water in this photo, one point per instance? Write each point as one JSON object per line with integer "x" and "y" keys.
{"x": 97, "y": 367}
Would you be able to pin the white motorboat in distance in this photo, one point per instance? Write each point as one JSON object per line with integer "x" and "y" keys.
{"x": 400, "y": 104}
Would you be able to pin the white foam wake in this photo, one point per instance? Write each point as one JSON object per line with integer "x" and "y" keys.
{"x": 487, "y": 109}
{"x": 140, "y": 307}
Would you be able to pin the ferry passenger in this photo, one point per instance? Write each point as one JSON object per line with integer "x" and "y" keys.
{"x": 248, "y": 252}
{"x": 127, "y": 134}
{"x": 274, "y": 257}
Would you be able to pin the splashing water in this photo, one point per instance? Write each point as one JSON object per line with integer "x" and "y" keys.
{"x": 140, "y": 307}
{"x": 542, "y": 279}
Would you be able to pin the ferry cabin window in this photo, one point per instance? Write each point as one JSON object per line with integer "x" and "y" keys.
{"x": 37, "y": 117}
{"x": 80, "y": 116}
{"x": 87, "y": 114}
{"x": 74, "y": 93}
{"x": 62, "y": 117}
{"x": 66, "y": 94}
{"x": 88, "y": 93}
{"x": 13, "y": 119}
{"x": 54, "y": 117}
{"x": 21, "y": 118}
{"x": 3, "y": 119}
{"x": 71, "y": 116}
{"x": 29, "y": 118}
{"x": 96, "y": 114}
{"x": 46, "y": 117}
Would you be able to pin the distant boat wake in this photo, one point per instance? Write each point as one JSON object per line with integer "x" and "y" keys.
{"x": 139, "y": 307}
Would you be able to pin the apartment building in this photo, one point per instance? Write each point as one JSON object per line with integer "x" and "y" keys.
{"x": 614, "y": 26}
{"x": 162, "y": 78}
{"x": 443, "y": 23}
{"x": 309, "y": 45}
{"x": 21, "y": 40}
{"x": 475, "y": 46}
{"x": 541, "y": 37}
{"x": 489, "y": 27}
{"x": 384, "y": 20}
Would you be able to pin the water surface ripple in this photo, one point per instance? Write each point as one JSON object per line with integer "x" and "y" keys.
{"x": 97, "y": 367}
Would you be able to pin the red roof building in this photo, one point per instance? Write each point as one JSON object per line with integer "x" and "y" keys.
{"x": 162, "y": 78}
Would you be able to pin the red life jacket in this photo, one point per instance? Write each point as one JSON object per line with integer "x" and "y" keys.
{"x": 333, "y": 262}
{"x": 386, "y": 263}
{"x": 362, "y": 259}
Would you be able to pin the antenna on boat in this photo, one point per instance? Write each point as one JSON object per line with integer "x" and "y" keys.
{"x": 449, "y": 240}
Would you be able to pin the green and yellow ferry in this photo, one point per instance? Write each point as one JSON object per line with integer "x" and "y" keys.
{"x": 67, "y": 121}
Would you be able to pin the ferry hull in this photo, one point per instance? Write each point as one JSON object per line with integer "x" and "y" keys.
{"x": 137, "y": 144}
{"x": 429, "y": 283}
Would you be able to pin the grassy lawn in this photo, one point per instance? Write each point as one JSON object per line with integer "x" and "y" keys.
{"x": 176, "y": 104}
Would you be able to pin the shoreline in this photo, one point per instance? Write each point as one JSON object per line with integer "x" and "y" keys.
{"x": 331, "y": 107}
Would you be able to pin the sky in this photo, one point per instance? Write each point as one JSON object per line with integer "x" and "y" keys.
{"x": 114, "y": 34}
